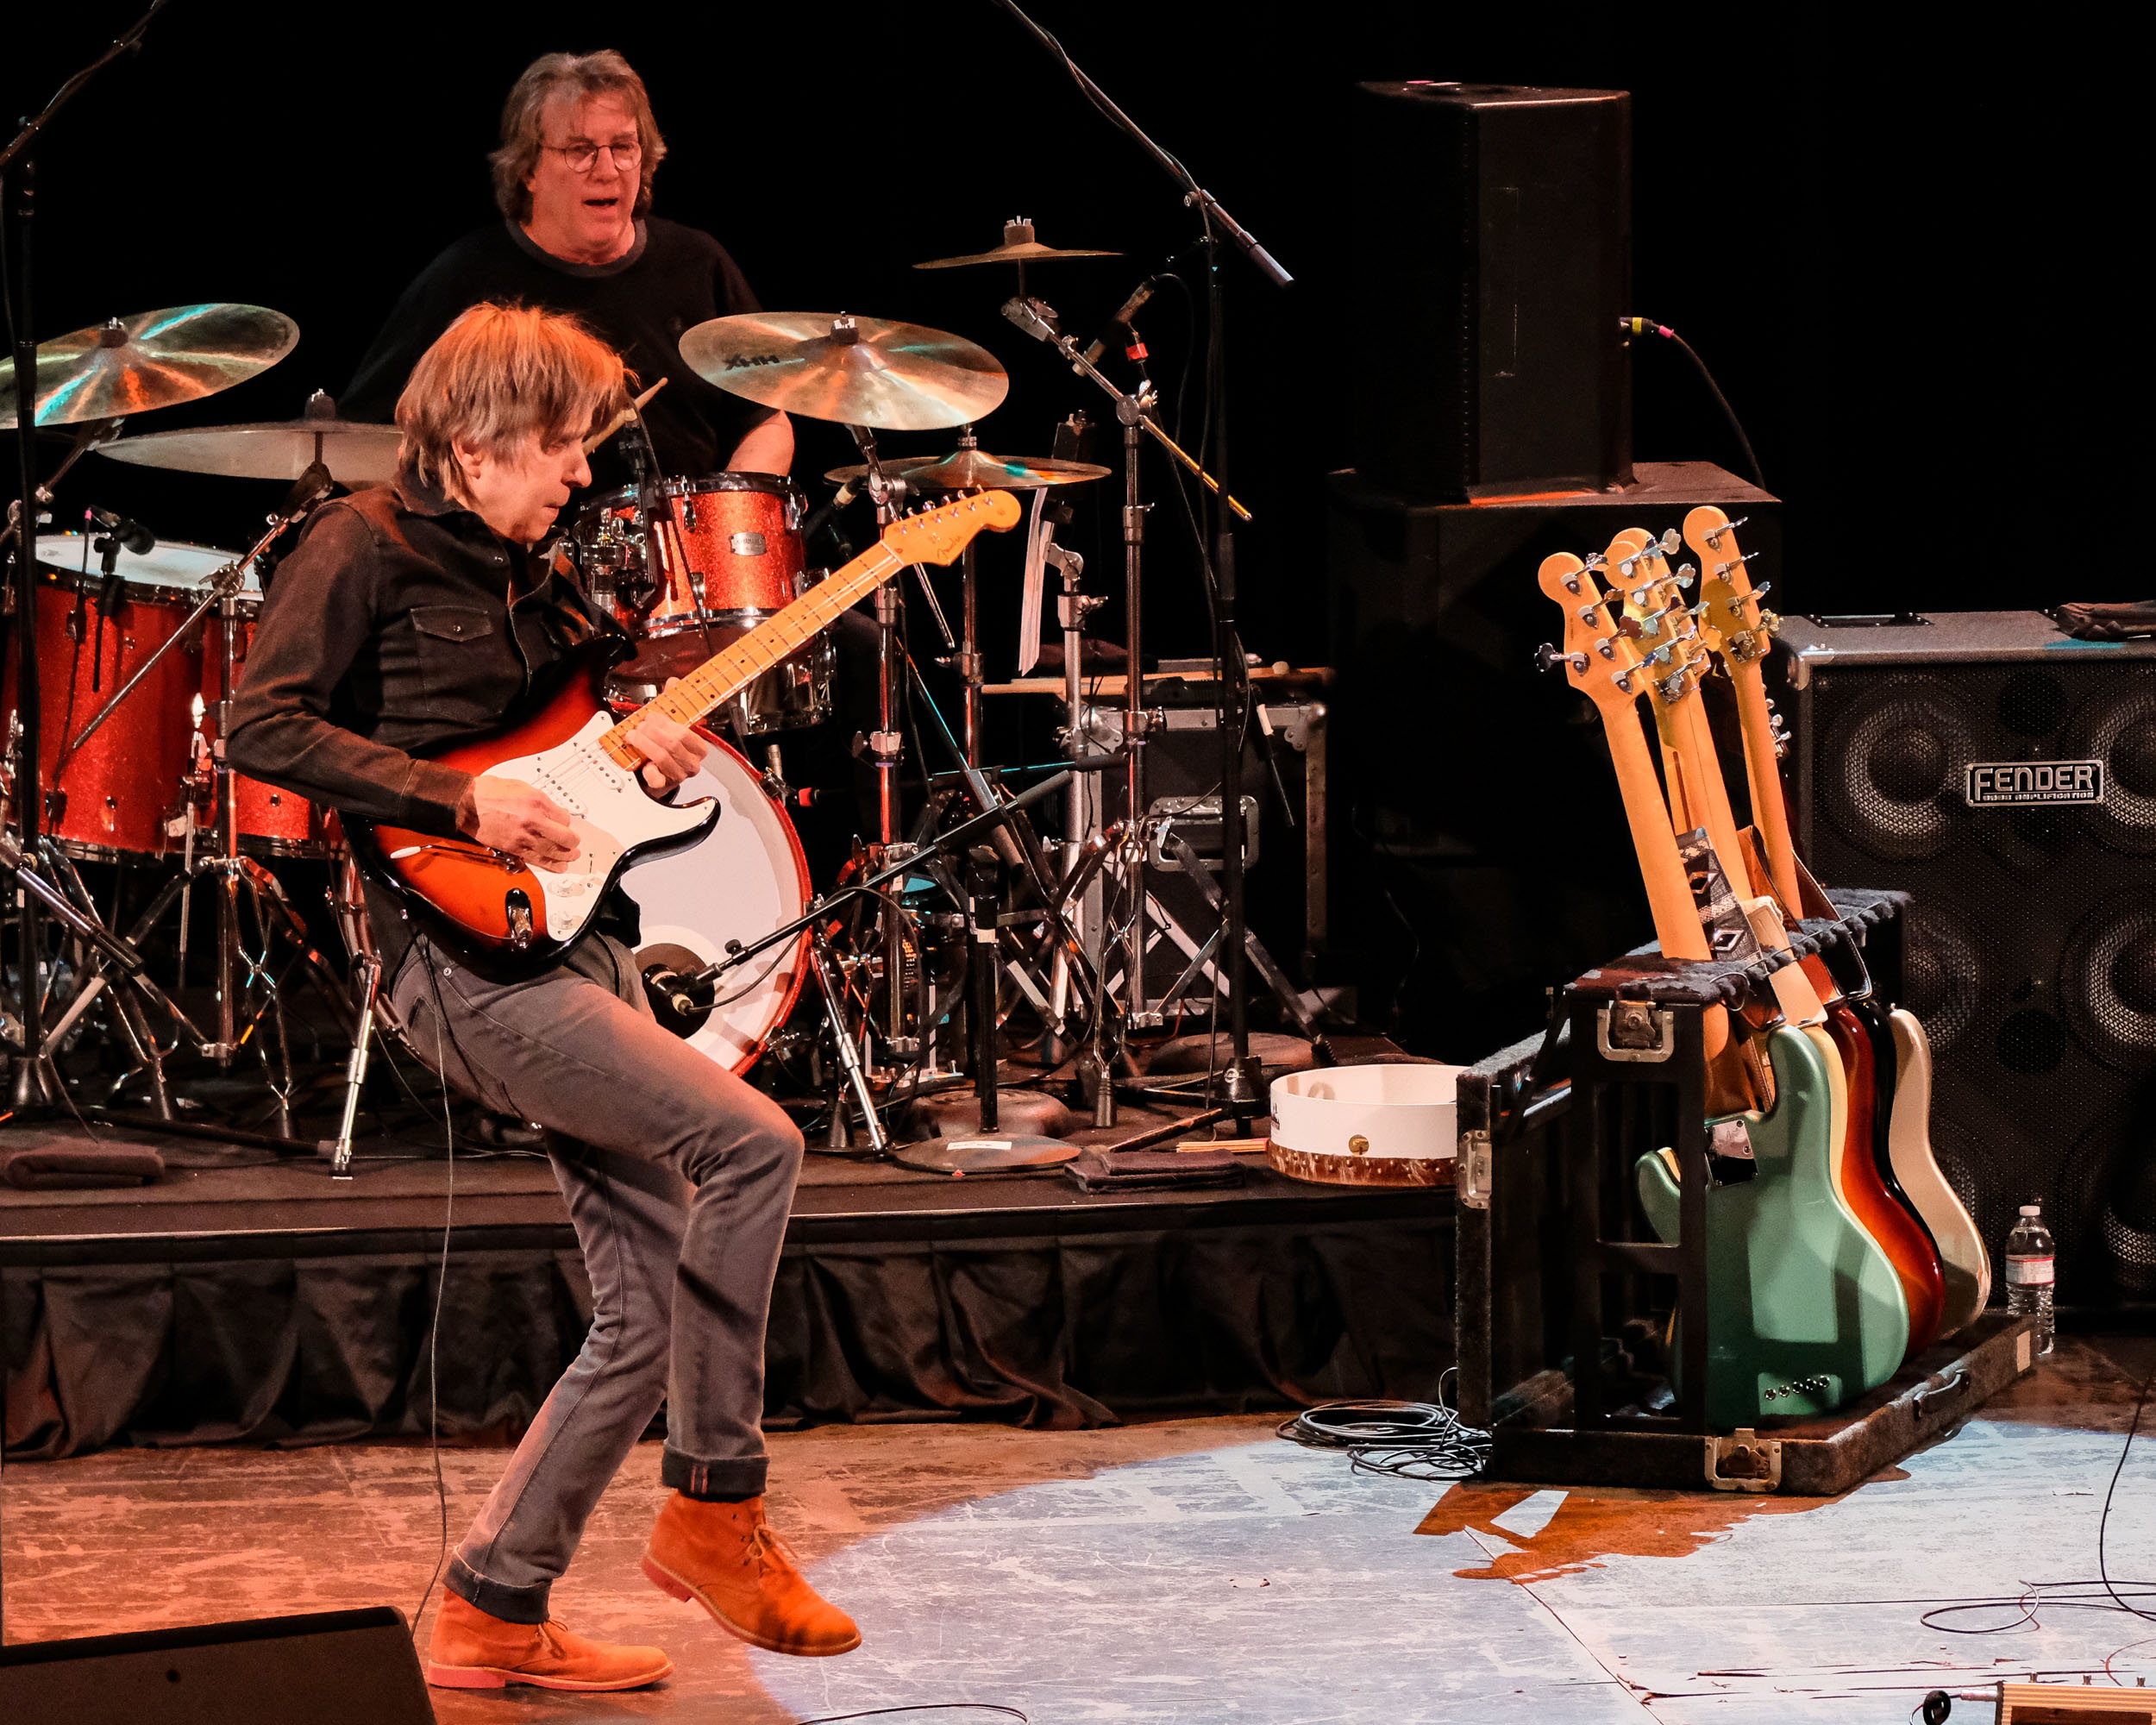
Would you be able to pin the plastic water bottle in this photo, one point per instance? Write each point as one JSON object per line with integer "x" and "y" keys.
{"x": 2029, "y": 1273}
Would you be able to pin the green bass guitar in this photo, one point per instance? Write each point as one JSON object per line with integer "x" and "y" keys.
{"x": 1804, "y": 1311}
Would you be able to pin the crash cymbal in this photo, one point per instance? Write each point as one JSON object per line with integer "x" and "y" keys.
{"x": 857, "y": 371}
{"x": 1018, "y": 247}
{"x": 976, "y": 470}
{"x": 153, "y": 359}
{"x": 355, "y": 452}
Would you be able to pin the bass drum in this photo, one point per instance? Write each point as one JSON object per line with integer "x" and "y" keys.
{"x": 745, "y": 880}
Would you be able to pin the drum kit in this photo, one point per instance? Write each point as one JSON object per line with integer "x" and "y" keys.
{"x": 140, "y": 644}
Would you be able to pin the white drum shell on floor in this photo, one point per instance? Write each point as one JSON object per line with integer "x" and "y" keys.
{"x": 1404, "y": 1113}
{"x": 745, "y": 880}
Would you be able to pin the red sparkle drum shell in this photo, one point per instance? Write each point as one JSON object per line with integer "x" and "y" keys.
{"x": 716, "y": 546}
{"x": 124, "y": 784}
{"x": 270, "y": 822}
{"x": 741, "y": 534}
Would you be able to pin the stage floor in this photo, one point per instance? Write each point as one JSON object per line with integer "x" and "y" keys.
{"x": 1198, "y": 1571}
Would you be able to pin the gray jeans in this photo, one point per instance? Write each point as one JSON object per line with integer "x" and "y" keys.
{"x": 678, "y": 1177}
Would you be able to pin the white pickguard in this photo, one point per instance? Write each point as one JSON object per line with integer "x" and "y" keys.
{"x": 610, "y": 813}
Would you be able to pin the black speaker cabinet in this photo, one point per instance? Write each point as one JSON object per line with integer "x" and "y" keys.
{"x": 1480, "y": 851}
{"x": 2005, "y": 774}
{"x": 327, "y": 1668}
{"x": 1492, "y": 231}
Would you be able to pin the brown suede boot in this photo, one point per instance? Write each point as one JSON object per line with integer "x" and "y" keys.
{"x": 471, "y": 1649}
{"x": 725, "y": 1557}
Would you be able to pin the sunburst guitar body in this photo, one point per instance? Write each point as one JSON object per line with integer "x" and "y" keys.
{"x": 507, "y": 915}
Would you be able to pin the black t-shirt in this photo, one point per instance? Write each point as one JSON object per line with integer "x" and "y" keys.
{"x": 671, "y": 279}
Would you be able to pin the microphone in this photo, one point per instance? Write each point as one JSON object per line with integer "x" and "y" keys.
{"x": 1035, "y": 317}
{"x": 1144, "y": 291}
{"x": 308, "y": 489}
{"x": 132, "y": 534}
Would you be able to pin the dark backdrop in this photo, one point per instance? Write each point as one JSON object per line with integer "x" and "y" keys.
{"x": 1896, "y": 251}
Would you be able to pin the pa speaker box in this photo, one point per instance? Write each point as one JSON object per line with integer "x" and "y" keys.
{"x": 328, "y": 1668}
{"x": 1491, "y": 260}
{"x": 2005, "y": 775}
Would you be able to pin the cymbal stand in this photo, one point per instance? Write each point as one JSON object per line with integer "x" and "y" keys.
{"x": 1134, "y": 413}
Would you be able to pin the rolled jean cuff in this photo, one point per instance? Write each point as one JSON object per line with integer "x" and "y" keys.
{"x": 714, "y": 1481}
{"x": 510, "y": 1604}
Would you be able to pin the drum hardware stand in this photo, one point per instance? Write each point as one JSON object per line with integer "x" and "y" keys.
{"x": 1241, "y": 1091}
{"x": 985, "y": 1149}
{"x": 703, "y": 984}
{"x": 1134, "y": 413}
{"x": 68, "y": 904}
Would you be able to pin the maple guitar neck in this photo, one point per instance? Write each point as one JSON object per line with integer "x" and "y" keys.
{"x": 695, "y": 695}
{"x": 1739, "y": 631}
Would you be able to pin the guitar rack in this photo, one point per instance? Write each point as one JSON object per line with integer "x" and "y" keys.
{"x": 1558, "y": 1266}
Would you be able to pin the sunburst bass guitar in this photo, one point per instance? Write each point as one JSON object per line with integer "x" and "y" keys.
{"x": 511, "y": 916}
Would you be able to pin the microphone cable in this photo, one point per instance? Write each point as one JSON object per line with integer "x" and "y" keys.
{"x": 1419, "y": 1440}
{"x": 1647, "y": 326}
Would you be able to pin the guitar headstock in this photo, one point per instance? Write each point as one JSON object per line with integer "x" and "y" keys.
{"x": 1599, "y": 660}
{"x": 938, "y": 535}
{"x": 1737, "y": 626}
{"x": 1656, "y": 614}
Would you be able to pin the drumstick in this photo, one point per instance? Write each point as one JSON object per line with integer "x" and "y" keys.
{"x": 622, "y": 418}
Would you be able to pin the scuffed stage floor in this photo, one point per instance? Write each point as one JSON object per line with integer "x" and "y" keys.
{"x": 1200, "y": 1571}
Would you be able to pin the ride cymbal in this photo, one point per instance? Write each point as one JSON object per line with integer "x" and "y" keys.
{"x": 153, "y": 359}
{"x": 355, "y": 452}
{"x": 976, "y": 470}
{"x": 856, "y": 370}
{"x": 1018, "y": 247}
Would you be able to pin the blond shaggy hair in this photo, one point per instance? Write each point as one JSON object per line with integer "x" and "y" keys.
{"x": 498, "y": 376}
{"x": 577, "y": 78}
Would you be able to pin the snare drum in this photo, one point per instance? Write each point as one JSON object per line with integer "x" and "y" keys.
{"x": 708, "y": 561}
{"x": 118, "y": 791}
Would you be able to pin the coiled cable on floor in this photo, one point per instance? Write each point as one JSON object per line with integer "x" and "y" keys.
{"x": 1422, "y": 1441}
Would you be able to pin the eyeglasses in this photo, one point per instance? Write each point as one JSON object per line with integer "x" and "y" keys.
{"x": 583, "y": 158}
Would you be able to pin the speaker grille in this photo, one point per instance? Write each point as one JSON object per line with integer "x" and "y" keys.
{"x": 2031, "y": 950}
{"x": 1892, "y": 758}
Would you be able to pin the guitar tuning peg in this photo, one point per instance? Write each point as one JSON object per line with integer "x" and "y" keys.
{"x": 1594, "y": 559}
{"x": 1763, "y": 589}
{"x": 1606, "y": 646}
{"x": 1671, "y": 542}
{"x": 1770, "y": 621}
{"x": 1685, "y": 575}
{"x": 1547, "y": 658}
{"x": 1571, "y": 582}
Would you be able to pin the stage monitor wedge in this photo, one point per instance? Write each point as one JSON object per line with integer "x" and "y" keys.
{"x": 1491, "y": 260}
{"x": 325, "y": 1668}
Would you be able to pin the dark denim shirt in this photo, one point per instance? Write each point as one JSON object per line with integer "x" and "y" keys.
{"x": 400, "y": 623}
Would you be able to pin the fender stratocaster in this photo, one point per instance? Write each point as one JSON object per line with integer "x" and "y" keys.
{"x": 512, "y": 917}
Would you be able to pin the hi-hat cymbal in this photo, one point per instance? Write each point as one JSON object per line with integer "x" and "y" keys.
{"x": 153, "y": 359}
{"x": 1018, "y": 247}
{"x": 355, "y": 452}
{"x": 857, "y": 371}
{"x": 976, "y": 470}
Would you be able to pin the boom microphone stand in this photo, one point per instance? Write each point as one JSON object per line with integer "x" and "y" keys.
{"x": 1241, "y": 1094}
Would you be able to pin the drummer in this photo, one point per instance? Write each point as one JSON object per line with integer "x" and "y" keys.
{"x": 572, "y": 177}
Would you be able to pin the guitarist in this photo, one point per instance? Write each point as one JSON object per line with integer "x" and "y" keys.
{"x": 421, "y": 613}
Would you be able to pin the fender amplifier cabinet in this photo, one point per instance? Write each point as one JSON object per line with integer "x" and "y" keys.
{"x": 2005, "y": 774}
{"x": 1492, "y": 236}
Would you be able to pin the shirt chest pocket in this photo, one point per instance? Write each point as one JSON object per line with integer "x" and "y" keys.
{"x": 459, "y": 656}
